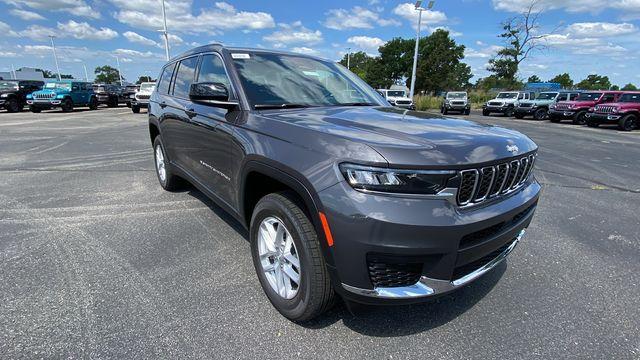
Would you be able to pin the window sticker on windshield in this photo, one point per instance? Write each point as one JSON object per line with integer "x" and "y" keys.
{"x": 239, "y": 56}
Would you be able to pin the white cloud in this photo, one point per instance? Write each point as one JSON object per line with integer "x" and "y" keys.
{"x": 139, "y": 39}
{"x": 600, "y": 29}
{"x": 429, "y": 17}
{"x": 77, "y": 30}
{"x": 629, "y": 7}
{"x": 8, "y": 54}
{"x": 366, "y": 42}
{"x": 294, "y": 33}
{"x": 583, "y": 45}
{"x": 26, "y": 15}
{"x": 146, "y": 14}
{"x": 74, "y": 7}
{"x": 356, "y": 18}
{"x": 305, "y": 50}
{"x": 6, "y": 30}
{"x": 483, "y": 53}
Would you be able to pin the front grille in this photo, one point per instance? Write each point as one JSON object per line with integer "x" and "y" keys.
{"x": 563, "y": 107}
{"x": 493, "y": 103}
{"x": 477, "y": 185}
{"x": 457, "y": 103}
{"x": 466, "y": 269}
{"x": 605, "y": 109}
{"x": 142, "y": 97}
{"x": 488, "y": 233}
{"x": 403, "y": 102}
{"x": 43, "y": 96}
{"x": 526, "y": 105}
{"x": 384, "y": 274}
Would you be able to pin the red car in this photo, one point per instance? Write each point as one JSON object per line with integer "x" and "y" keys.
{"x": 577, "y": 109}
{"x": 625, "y": 112}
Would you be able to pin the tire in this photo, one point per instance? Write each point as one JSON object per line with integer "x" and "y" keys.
{"x": 135, "y": 109}
{"x": 93, "y": 104}
{"x": 509, "y": 112}
{"x": 67, "y": 105}
{"x": 540, "y": 114}
{"x": 592, "y": 124}
{"x": 34, "y": 109}
{"x": 554, "y": 119}
{"x": 467, "y": 112}
{"x": 519, "y": 116}
{"x": 579, "y": 118}
{"x": 313, "y": 294}
{"x": 485, "y": 113}
{"x": 111, "y": 103}
{"x": 628, "y": 123}
{"x": 169, "y": 181}
{"x": 13, "y": 105}
{"x": 445, "y": 112}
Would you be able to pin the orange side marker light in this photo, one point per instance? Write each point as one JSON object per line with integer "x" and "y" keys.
{"x": 325, "y": 227}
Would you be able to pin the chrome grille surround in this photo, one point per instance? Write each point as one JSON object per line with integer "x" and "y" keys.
{"x": 605, "y": 109}
{"x": 44, "y": 95}
{"x": 479, "y": 185}
{"x": 562, "y": 107}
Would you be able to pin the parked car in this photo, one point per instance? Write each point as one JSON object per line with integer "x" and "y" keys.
{"x": 141, "y": 98}
{"x": 397, "y": 98}
{"x": 625, "y": 112}
{"x": 13, "y": 93}
{"x": 456, "y": 101}
{"x": 539, "y": 107}
{"x": 577, "y": 109}
{"x": 128, "y": 91}
{"x": 340, "y": 192}
{"x": 65, "y": 94}
{"x": 107, "y": 94}
{"x": 506, "y": 102}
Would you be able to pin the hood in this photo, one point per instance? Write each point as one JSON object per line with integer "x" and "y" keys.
{"x": 623, "y": 105}
{"x": 398, "y": 98}
{"x": 579, "y": 104}
{"x": 50, "y": 91}
{"x": 406, "y": 138}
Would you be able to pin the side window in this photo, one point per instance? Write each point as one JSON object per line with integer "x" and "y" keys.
{"x": 165, "y": 79}
{"x": 562, "y": 97}
{"x": 608, "y": 98}
{"x": 574, "y": 96}
{"x": 521, "y": 96}
{"x": 212, "y": 70}
{"x": 184, "y": 77}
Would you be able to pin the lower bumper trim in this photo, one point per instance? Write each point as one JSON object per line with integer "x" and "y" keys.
{"x": 429, "y": 287}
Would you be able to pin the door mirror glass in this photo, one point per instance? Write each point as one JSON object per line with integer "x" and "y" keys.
{"x": 206, "y": 91}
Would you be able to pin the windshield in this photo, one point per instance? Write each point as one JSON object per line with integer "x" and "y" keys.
{"x": 147, "y": 87}
{"x": 632, "y": 98}
{"x": 456, "y": 95}
{"x": 547, "y": 96}
{"x": 99, "y": 89}
{"x": 272, "y": 80}
{"x": 396, "y": 93}
{"x": 507, "y": 96}
{"x": 8, "y": 85}
{"x": 588, "y": 97}
{"x": 62, "y": 86}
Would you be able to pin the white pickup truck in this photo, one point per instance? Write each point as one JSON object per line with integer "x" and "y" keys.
{"x": 397, "y": 98}
{"x": 141, "y": 98}
{"x": 506, "y": 102}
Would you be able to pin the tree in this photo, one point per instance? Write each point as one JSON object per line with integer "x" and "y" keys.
{"x": 522, "y": 37}
{"x": 358, "y": 62}
{"x": 494, "y": 82}
{"x": 51, "y": 75}
{"x": 564, "y": 80}
{"x": 594, "y": 82}
{"x": 630, "y": 87}
{"x": 440, "y": 67}
{"x": 107, "y": 75}
{"x": 396, "y": 60}
{"x": 142, "y": 79}
{"x": 534, "y": 79}
{"x": 614, "y": 88}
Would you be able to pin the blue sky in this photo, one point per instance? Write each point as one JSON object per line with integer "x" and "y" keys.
{"x": 589, "y": 36}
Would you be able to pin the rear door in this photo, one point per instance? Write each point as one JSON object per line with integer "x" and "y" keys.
{"x": 165, "y": 113}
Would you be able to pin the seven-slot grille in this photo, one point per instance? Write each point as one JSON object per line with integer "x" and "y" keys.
{"x": 403, "y": 102}
{"x": 563, "y": 107}
{"x": 526, "y": 105}
{"x": 457, "y": 103}
{"x": 477, "y": 185}
{"x": 606, "y": 109}
{"x": 142, "y": 97}
{"x": 495, "y": 103}
{"x": 44, "y": 95}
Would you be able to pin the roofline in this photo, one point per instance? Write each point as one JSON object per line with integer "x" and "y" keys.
{"x": 220, "y": 47}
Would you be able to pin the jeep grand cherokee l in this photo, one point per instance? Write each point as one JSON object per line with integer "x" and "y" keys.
{"x": 340, "y": 192}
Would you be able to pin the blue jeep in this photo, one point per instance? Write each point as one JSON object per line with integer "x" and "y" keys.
{"x": 65, "y": 94}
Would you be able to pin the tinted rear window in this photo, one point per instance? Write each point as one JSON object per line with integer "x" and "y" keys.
{"x": 184, "y": 77}
{"x": 165, "y": 79}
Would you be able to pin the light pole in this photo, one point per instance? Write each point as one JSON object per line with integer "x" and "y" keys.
{"x": 415, "y": 54}
{"x": 55, "y": 57}
{"x": 348, "y": 58}
{"x": 165, "y": 33}
{"x": 86, "y": 75}
{"x": 13, "y": 72}
{"x": 119, "y": 72}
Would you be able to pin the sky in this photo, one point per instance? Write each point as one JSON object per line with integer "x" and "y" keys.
{"x": 587, "y": 36}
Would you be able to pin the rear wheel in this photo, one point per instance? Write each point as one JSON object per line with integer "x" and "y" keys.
{"x": 13, "y": 105}
{"x": 540, "y": 114}
{"x": 168, "y": 180}
{"x": 628, "y": 123}
{"x": 287, "y": 258}
{"x": 580, "y": 118}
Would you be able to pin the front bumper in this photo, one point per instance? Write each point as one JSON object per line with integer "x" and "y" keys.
{"x": 603, "y": 118}
{"x": 499, "y": 109}
{"x": 562, "y": 114}
{"x": 458, "y": 107}
{"x": 44, "y": 103}
{"x": 449, "y": 247}
{"x": 140, "y": 102}
{"x": 526, "y": 111}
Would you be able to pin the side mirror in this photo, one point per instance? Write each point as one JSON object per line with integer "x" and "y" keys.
{"x": 214, "y": 94}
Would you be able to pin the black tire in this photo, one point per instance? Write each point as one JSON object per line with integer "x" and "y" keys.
{"x": 467, "y": 112}
{"x": 592, "y": 124}
{"x": 579, "y": 118}
{"x": 67, "y": 105}
{"x": 628, "y": 123}
{"x": 112, "y": 102}
{"x": 135, "y": 109}
{"x": 519, "y": 116}
{"x": 13, "y": 105}
{"x": 34, "y": 109}
{"x": 445, "y": 111}
{"x": 509, "y": 112}
{"x": 93, "y": 104}
{"x": 540, "y": 114}
{"x": 485, "y": 113}
{"x": 171, "y": 181}
{"x": 315, "y": 294}
{"x": 554, "y": 119}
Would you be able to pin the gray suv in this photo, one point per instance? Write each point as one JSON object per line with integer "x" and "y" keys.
{"x": 341, "y": 193}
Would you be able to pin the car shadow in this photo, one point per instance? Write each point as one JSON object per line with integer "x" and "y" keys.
{"x": 220, "y": 212}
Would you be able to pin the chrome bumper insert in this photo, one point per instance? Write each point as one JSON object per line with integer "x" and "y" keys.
{"x": 429, "y": 287}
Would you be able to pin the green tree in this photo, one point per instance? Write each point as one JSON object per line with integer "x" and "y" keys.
{"x": 358, "y": 62}
{"x": 440, "y": 67}
{"x": 142, "y": 79}
{"x": 630, "y": 87}
{"x": 498, "y": 83}
{"x": 107, "y": 75}
{"x": 594, "y": 82}
{"x": 51, "y": 75}
{"x": 396, "y": 60}
{"x": 614, "y": 87}
{"x": 564, "y": 80}
{"x": 534, "y": 79}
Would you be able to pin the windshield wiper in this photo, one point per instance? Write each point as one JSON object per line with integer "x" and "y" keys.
{"x": 280, "y": 106}
{"x": 356, "y": 104}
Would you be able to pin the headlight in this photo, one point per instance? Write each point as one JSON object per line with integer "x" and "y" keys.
{"x": 59, "y": 96}
{"x": 552, "y": 106}
{"x": 4, "y": 95}
{"x": 395, "y": 180}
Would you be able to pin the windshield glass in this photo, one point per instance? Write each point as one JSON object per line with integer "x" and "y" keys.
{"x": 8, "y": 85}
{"x": 280, "y": 79}
{"x": 62, "y": 86}
{"x": 396, "y": 93}
{"x": 147, "y": 87}
{"x": 634, "y": 98}
{"x": 99, "y": 88}
{"x": 589, "y": 96}
{"x": 507, "y": 96}
{"x": 456, "y": 95}
{"x": 547, "y": 96}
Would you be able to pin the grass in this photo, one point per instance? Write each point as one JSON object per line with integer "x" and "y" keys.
{"x": 428, "y": 102}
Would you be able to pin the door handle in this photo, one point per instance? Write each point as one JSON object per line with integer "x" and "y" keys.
{"x": 190, "y": 113}
{"x": 163, "y": 104}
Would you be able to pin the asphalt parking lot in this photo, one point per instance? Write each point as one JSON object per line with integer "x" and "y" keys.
{"x": 97, "y": 261}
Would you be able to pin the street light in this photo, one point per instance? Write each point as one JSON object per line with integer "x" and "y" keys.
{"x": 55, "y": 57}
{"x": 119, "y": 72}
{"x": 165, "y": 33}
{"x": 415, "y": 54}
{"x": 348, "y": 58}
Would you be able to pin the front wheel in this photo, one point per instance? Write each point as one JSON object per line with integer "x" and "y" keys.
{"x": 519, "y": 116}
{"x": 168, "y": 180}
{"x": 287, "y": 258}
{"x": 445, "y": 111}
{"x": 34, "y": 109}
{"x": 509, "y": 112}
{"x": 580, "y": 118}
{"x": 13, "y": 106}
{"x": 135, "y": 109}
{"x": 540, "y": 114}
{"x": 485, "y": 113}
{"x": 467, "y": 112}
{"x": 93, "y": 104}
{"x": 628, "y": 123}
{"x": 67, "y": 105}
{"x": 592, "y": 124}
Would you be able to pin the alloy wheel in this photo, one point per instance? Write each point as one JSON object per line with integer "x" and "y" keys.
{"x": 279, "y": 258}
{"x": 160, "y": 165}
